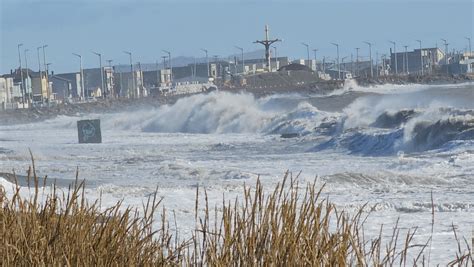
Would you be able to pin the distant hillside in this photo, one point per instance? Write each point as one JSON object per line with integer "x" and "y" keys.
{"x": 185, "y": 60}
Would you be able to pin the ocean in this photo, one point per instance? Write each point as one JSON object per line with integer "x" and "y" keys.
{"x": 388, "y": 146}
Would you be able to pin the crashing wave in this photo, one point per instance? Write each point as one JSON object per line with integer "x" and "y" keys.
{"x": 429, "y": 135}
{"x": 410, "y": 132}
{"x": 393, "y": 119}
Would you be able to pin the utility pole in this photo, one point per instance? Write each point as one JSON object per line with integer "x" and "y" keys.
{"x": 39, "y": 61}
{"x": 315, "y": 62}
{"x": 395, "y": 56}
{"x": 133, "y": 74}
{"x": 276, "y": 56}
{"x": 140, "y": 89}
{"x": 207, "y": 60}
{"x": 81, "y": 74}
{"x": 47, "y": 73}
{"x": 21, "y": 75}
{"x": 352, "y": 64}
{"x": 469, "y": 42}
{"x": 170, "y": 65}
{"x": 194, "y": 72}
{"x": 47, "y": 66}
{"x": 26, "y": 66}
{"x": 370, "y": 59}
{"x": 406, "y": 59}
{"x": 102, "y": 88}
{"x": 446, "y": 55}
{"x": 267, "y": 43}
{"x": 421, "y": 57}
{"x": 377, "y": 64}
{"x": 343, "y": 66}
{"x": 157, "y": 74}
{"x": 307, "y": 51}
{"x": 383, "y": 64}
{"x": 242, "y": 57}
{"x": 338, "y": 66}
{"x": 109, "y": 79}
{"x": 357, "y": 61}
{"x": 324, "y": 65}
{"x": 216, "y": 60}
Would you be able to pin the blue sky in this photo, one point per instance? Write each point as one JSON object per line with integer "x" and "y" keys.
{"x": 146, "y": 27}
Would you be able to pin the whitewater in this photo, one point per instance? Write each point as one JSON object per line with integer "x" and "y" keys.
{"x": 390, "y": 146}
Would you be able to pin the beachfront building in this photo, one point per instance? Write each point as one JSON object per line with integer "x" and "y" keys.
{"x": 6, "y": 90}
{"x": 467, "y": 59}
{"x": 410, "y": 62}
{"x": 61, "y": 87}
{"x": 460, "y": 64}
{"x": 41, "y": 89}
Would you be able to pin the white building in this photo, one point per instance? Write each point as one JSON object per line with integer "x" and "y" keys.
{"x": 468, "y": 60}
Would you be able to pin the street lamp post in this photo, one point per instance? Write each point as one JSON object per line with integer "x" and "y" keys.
{"x": 421, "y": 57}
{"x": 102, "y": 88}
{"x": 307, "y": 51}
{"x": 377, "y": 64}
{"x": 343, "y": 65}
{"x": 109, "y": 85}
{"x": 469, "y": 42}
{"x": 207, "y": 60}
{"x": 357, "y": 61}
{"x": 26, "y": 66}
{"x": 47, "y": 74}
{"x": 21, "y": 74}
{"x": 315, "y": 51}
{"x": 157, "y": 73}
{"x": 242, "y": 55}
{"x": 171, "y": 66}
{"x": 133, "y": 74}
{"x": 395, "y": 56}
{"x": 446, "y": 55}
{"x": 407, "y": 71}
{"x": 276, "y": 56}
{"x": 338, "y": 66}
{"x": 81, "y": 74}
{"x": 370, "y": 59}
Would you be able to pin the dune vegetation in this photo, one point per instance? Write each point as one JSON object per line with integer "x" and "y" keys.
{"x": 291, "y": 225}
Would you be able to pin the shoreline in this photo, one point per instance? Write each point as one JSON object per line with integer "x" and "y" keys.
{"x": 21, "y": 116}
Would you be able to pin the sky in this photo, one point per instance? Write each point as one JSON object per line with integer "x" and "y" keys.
{"x": 146, "y": 27}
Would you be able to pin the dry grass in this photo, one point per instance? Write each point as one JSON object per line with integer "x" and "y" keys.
{"x": 293, "y": 225}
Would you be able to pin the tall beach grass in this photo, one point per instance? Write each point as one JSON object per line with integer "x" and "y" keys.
{"x": 292, "y": 225}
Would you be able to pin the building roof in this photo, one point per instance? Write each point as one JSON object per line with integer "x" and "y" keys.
{"x": 295, "y": 66}
{"x": 61, "y": 78}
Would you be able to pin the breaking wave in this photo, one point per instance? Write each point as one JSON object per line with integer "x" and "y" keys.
{"x": 370, "y": 126}
{"x": 223, "y": 112}
{"x": 408, "y": 132}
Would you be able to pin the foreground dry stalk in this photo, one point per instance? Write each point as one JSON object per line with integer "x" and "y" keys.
{"x": 65, "y": 230}
{"x": 289, "y": 226}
